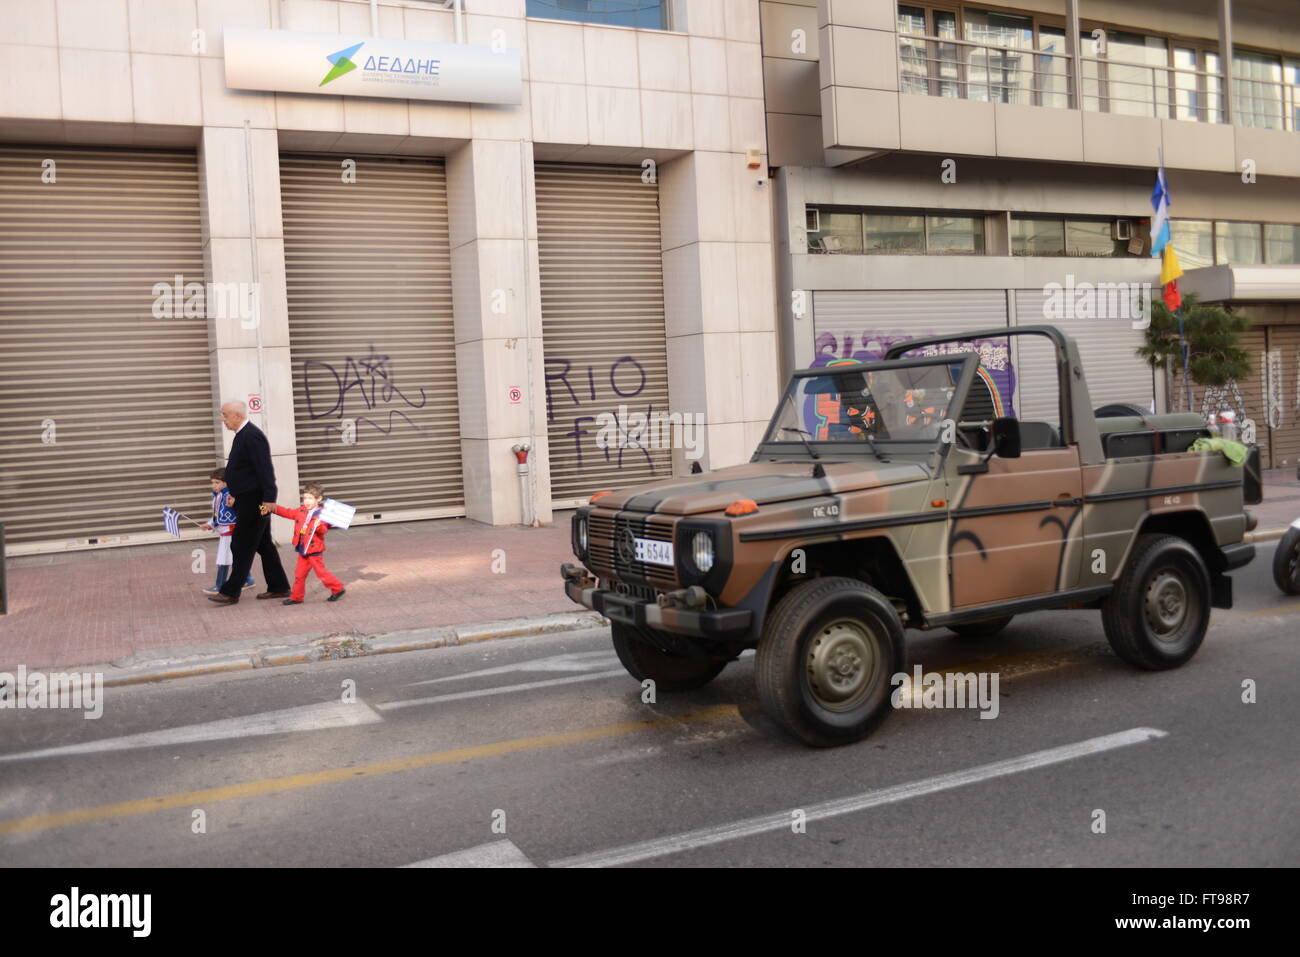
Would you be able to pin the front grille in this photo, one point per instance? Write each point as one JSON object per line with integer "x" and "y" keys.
{"x": 604, "y": 559}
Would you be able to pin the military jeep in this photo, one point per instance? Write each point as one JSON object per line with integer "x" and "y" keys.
{"x": 894, "y": 494}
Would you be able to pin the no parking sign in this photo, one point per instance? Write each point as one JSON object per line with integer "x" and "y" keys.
{"x": 254, "y": 402}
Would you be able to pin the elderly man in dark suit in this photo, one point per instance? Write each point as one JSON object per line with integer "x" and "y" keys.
{"x": 250, "y": 476}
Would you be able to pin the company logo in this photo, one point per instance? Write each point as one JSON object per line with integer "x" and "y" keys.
{"x": 341, "y": 63}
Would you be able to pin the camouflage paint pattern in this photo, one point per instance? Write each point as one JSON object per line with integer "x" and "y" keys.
{"x": 1025, "y": 527}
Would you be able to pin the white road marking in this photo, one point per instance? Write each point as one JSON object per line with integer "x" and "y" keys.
{"x": 504, "y": 689}
{"x": 578, "y": 661}
{"x": 312, "y": 717}
{"x": 780, "y": 821}
{"x": 501, "y": 853}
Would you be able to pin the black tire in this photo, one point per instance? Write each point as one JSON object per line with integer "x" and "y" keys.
{"x": 847, "y": 633}
{"x": 670, "y": 673}
{"x": 981, "y": 629}
{"x": 1286, "y": 562}
{"x": 1158, "y": 613}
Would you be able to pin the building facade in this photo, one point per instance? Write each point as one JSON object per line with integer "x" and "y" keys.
{"x": 404, "y": 289}
{"x": 947, "y": 166}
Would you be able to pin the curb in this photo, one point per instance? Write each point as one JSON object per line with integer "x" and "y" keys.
{"x": 1270, "y": 535}
{"x": 351, "y": 645}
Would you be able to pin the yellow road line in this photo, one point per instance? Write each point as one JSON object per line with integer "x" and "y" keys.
{"x": 1279, "y": 610}
{"x": 293, "y": 782}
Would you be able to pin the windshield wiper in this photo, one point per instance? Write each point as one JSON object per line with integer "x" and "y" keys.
{"x": 803, "y": 437}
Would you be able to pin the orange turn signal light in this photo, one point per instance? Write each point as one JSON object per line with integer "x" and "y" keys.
{"x": 592, "y": 500}
{"x": 938, "y": 503}
{"x": 742, "y": 506}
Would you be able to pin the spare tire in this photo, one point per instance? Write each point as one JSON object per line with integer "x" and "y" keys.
{"x": 1120, "y": 409}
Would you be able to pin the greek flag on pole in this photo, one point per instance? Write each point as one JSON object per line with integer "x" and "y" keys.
{"x": 172, "y": 521}
{"x": 1160, "y": 203}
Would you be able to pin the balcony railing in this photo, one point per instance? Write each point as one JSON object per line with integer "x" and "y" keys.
{"x": 943, "y": 66}
{"x": 939, "y": 66}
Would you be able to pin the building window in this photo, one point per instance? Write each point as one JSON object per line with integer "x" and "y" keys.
{"x": 1281, "y": 243}
{"x": 954, "y": 235}
{"x": 646, "y": 14}
{"x": 1257, "y": 90}
{"x": 1001, "y": 68}
{"x": 895, "y": 235}
{"x": 1037, "y": 236}
{"x": 837, "y": 233}
{"x": 1237, "y": 243}
{"x": 1193, "y": 241}
{"x": 1093, "y": 237}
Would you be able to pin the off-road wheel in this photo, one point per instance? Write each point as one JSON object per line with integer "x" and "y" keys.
{"x": 824, "y": 663}
{"x": 643, "y": 660}
{"x": 1158, "y": 613}
{"x": 1286, "y": 562}
{"x": 981, "y": 629}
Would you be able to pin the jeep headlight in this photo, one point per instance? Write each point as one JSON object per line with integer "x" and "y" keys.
{"x": 702, "y": 552}
{"x": 582, "y": 535}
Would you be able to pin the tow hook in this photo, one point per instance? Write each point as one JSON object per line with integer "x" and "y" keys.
{"x": 576, "y": 574}
{"x": 693, "y": 597}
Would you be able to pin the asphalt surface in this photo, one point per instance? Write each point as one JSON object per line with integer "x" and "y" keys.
{"x": 556, "y": 760}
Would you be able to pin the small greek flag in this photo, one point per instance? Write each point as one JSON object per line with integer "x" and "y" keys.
{"x": 172, "y": 521}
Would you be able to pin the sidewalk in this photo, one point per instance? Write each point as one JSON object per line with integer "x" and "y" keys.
{"x": 94, "y": 607}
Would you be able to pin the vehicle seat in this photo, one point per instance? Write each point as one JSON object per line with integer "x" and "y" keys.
{"x": 1038, "y": 435}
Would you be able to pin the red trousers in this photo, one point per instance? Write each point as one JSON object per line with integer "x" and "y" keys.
{"x": 309, "y": 563}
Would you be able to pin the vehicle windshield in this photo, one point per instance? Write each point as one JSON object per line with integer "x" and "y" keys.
{"x": 906, "y": 403}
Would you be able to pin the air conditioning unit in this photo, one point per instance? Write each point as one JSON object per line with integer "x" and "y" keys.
{"x": 1122, "y": 230}
{"x": 813, "y": 219}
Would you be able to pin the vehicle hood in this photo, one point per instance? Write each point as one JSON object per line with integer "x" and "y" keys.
{"x": 764, "y": 482}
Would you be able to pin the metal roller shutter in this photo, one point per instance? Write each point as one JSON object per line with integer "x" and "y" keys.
{"x": 602, "y": 321}
{"x": 1285, "y": 341}
{"x": 1251, "y": 388}
{"x": 371, "y": 337}
{"x": 1108, "y": 347}
{"x": 126, "y": 398}
{"x": 862, "y": 324}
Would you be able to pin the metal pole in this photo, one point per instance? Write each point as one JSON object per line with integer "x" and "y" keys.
{"x": 4, "y": 593}
{"x": 1182, "y": 342}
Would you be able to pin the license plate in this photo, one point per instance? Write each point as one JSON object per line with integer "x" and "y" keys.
{"x": 656, "y": 553}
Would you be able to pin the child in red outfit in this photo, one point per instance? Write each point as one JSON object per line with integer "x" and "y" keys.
{"x": 308, "y": 542}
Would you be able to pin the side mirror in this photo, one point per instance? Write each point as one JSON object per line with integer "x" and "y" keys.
{"x": 1006, "y": 438}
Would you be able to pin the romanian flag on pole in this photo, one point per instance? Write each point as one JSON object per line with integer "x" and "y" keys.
{"x": 1170, "y": 271}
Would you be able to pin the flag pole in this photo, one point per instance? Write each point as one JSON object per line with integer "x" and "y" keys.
{"x": 1182, "y": 345}
{"x": 186, "y": 517}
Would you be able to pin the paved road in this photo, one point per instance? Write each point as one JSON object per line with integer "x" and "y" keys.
{"x": 547, "y": 739}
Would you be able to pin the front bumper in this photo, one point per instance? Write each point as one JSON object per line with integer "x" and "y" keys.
{"x": 722, "y": 623}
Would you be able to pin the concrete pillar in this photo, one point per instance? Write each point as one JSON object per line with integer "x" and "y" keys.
{"x": 243, "y": 242}
{"x": 497, "y": 300}
{"x": 719, "y": 309}
{"x": 1074, "y": 51}
{"x": 1225, "y": 59}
